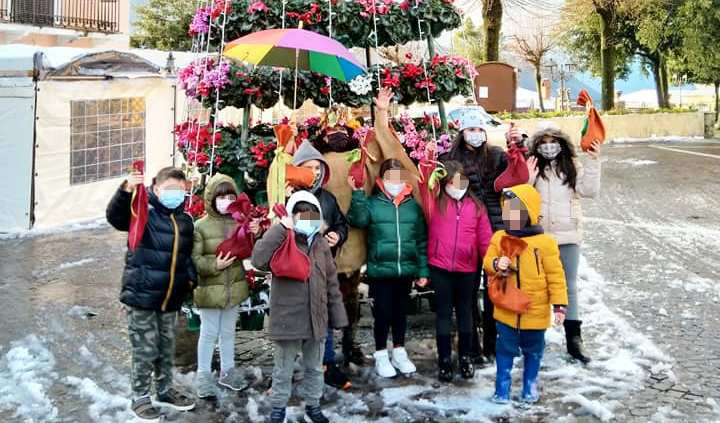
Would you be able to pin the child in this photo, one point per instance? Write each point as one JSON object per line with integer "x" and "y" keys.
{"x": 301, "y": 311}
{"x": 157, "y": 278}
{"x": 397, "y": 255}
{"x": 562, "y": 180}
{"x": 459, "y": 236}
{"x": 221, "y": 288}
{"x": 538, "y": 273}
{"x": 335, "y": 234}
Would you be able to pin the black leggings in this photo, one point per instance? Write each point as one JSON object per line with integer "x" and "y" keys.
{"x": 453, "y": 290}
{"x": 390, "y": 299}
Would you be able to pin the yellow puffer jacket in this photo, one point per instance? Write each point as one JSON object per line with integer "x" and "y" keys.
{"x": 541, "y": 274}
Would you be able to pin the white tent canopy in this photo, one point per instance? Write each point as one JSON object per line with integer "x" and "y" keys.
{"x": 74, "y": 120}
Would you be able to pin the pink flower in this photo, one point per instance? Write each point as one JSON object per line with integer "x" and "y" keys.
{"x": 257, "y": 6}
{"x": 200, "y": 23}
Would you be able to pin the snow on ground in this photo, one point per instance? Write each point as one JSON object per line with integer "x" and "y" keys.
{"x": 636, "y": 162}
{"x": 622, "y": 359}
{"x": 69, "y": 227}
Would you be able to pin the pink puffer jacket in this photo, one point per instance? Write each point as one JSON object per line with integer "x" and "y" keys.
{"x": 458, "y": 238}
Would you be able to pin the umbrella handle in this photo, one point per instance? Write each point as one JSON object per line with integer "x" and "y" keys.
{"x": 297, "y": 58}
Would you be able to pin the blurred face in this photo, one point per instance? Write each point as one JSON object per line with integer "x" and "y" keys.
{"x": 309, "y": 215}
{"x": 314, "y": 165}
{"x": 169, "y": 185}
{"x": 459, "y": 182}
{"x": 396, "y": 176}
{"x": 514, "y": 214}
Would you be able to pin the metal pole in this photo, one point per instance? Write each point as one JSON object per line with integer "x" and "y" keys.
{"x": 441, "y": 105}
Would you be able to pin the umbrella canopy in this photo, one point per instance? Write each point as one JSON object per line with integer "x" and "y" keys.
{"x": 278, "y": 47}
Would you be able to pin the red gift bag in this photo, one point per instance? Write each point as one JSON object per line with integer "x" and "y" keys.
{"x": 241, "y": 241}
{"x": 138, "y": 210}
{"x": 288, "y": 261}
{"x": 516, "y": 172}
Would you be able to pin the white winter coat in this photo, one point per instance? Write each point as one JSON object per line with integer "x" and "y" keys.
{"x": 561, "y": 213}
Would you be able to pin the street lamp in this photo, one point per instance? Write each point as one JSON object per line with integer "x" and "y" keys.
{"x": 680, "y": 81}
{"x": 561, "y": 72}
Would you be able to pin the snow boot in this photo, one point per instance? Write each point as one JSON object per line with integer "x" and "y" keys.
{"x": 336, "y": 378}
{"x": 205, "y": 385}
{"x": 503, "y": 379}
{"x": 530, "y": 394}
{"x": 382, "y": 364}
{"x": 351, "y": 351}
{"x": 313, "y": 414}
{"x": 573, "y": 338}
{"x": 401, "y": 361}
{"x": 467, "y": 368}
{"x": 445, "y": 370}
{"x": 277, "y": 415}
{"x": 233, "y": 379}
{"x": 145, "y": 411}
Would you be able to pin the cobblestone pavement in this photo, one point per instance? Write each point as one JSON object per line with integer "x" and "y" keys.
{"x": 653, "y": 235}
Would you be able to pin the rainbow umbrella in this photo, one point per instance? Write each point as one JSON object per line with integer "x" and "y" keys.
{"x": 296, "y": 49}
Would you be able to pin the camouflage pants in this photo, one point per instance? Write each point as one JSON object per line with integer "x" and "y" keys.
{"x": 152, "y": 338}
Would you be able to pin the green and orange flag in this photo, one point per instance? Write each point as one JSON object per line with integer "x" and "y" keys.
{"x": 594, "y": 129}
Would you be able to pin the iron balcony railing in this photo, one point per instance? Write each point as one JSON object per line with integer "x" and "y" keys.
{"x": 82, "y": 15}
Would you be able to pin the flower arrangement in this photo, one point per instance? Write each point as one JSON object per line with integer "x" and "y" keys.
{"x": 416, "y": 134}
{"x": 195, "y": 207}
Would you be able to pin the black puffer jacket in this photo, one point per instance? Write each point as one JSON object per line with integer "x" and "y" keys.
{"x": 148, "y": 282}
{"x": 333, "y": 217}
{"x": 482, "y": 182}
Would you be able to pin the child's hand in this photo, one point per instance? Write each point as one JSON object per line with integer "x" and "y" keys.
{"x": 133, "y": 180}
{"x": 289, "y": 190}
{"x": 422, "y": 282}
{"x": 559, "y": 318}
{"x": 255, "y": 226}
{"x": 503, "y": 263}
{"x": 532, "y": 167}
{"x": 332, "y": 238}
{"x": 594, "y": 150}
{"x": 382, "y": 101}
{"x": 223, "y": 263}
{"x": 351, "y": 181}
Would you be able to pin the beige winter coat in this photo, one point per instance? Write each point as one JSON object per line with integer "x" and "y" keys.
{"x": 561, "y": 213}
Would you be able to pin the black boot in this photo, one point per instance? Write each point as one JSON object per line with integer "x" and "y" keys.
{"x": 445, "y": 370}
{"x": 573, "y": 337}
{"x": 467, "y": 368}
{"x": 351, "y": 351}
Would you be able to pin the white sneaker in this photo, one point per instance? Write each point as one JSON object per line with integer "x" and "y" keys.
{"x": 382, "y": 364}
{"x": 401, "y": 361}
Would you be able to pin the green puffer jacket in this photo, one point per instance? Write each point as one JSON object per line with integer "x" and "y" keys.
{"x": 397, "y": 236}
{"x": 216, "y": 288}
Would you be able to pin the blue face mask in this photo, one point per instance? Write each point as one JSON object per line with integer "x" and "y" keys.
{"x": 172, "y": 198}
{"x": 307, "y": 227}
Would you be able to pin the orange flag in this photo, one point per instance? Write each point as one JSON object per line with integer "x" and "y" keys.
{"x": 593, "y": 128}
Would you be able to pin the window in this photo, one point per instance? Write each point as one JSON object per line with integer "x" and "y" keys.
{"x": 106, "y": 137}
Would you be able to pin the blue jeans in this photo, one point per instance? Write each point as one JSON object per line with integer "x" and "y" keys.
{"x": 510, "y": 343}
{"x": 570, "y": 256}
{"x": 329, "y": 354}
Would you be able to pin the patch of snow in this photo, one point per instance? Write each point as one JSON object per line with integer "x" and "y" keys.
{"x": 69, "y": 227}
{"x": 26, "y": 373}
{"x": 104, "y": 406}
{"x": 596, "y": 408}
{"x": 81, "y": 312}
{"x": 253, "y": 411}
{"x": 75, "y": 263}
{"x": 636, "y": 162}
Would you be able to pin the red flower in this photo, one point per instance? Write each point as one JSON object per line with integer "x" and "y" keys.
{"x": 390, "y": 79}
{"x": 325, "y": 90}
{"x": 257, "y": 6}
{"x": 411, "y": 71}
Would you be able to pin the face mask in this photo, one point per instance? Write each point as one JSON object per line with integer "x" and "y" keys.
{"x": 172, "y": 198}
{"x": 222, "y": 204}
{"x": 307, "y": 227}
{"x": 393, "y": 189}
{"x": 550, "y": 150}
{"x": 475, "y": 139}
{"x": 455, "y": 193}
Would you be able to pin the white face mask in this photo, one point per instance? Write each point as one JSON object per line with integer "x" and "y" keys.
{"x": 393, "y": 189}
{"x": 222, "y": 204}
{"x": 475, "y": 139}
{"x": 550, "y": 150}
{"x": 455, "y": 193}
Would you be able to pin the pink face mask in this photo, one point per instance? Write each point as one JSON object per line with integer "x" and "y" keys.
{"x": 222, "y": 205}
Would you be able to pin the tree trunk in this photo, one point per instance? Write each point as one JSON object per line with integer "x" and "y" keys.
{"x": 665, "y": 79}
{"x": 607, "y": 57}
{"x": 538, "y": 83}
{"x": 657, "y": 75}
{"x": 717, "y": 102}
{"x": 492, "y": 23}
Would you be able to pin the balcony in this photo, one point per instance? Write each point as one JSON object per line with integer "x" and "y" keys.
{"x": 83, "y": 15}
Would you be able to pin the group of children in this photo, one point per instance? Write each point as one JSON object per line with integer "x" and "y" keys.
{"x": 451, "y": 240}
